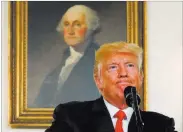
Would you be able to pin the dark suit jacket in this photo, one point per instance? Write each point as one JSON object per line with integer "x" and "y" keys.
{"x": 79, "y": 86}
{"x": 93, "y": 116}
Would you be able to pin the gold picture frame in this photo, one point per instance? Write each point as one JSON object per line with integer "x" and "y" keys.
{"x": 20, "y": 115}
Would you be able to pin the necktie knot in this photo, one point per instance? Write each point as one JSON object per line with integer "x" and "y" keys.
{"x": 120, "y": 115}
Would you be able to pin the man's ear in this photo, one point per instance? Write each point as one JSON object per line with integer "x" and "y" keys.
{"x": 99, "y": 83}
{"x": 141, "y": 79}
{"x": 141, "y": 76}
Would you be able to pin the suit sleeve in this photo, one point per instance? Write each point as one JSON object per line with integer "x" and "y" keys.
{"x": 60, "y": 121}
{"x": 171, "y": 125}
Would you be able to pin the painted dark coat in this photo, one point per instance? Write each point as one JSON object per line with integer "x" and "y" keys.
{"x": 79, "y": 86}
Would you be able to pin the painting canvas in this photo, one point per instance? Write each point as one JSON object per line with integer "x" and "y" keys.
{"x": 37, "y": 55}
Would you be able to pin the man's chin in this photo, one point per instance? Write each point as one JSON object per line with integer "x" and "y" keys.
{"x": 73, "y": 43}
{"x": 122, "y": 87}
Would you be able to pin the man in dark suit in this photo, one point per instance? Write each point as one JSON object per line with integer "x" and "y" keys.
{"x": 117, "y": 65}
{"x": 73, "y": 80}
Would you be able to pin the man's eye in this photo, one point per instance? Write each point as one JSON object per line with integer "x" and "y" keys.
{"x": 66, "y": 24}
{"x": 78, "y": 25}
{"x": 130, "y": 65}
{"x": 113, "y": 67}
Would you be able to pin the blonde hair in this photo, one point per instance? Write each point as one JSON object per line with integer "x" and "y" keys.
{"x": 114, "y": 47}
{"x": 92, "y": 19}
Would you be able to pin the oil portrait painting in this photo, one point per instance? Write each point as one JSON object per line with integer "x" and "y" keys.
{"x": 52, "y": 52}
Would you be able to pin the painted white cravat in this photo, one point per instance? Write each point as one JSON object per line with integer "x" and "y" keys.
{"x": 70, "y": 62}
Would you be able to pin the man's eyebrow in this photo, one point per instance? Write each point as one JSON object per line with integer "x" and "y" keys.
{"x": 66, "y": 21}
{"x": 112, "y": 63}
{"x": 76, "y": 21}
{"x": 73, "y": 21}
{"x": 129, "y": 62}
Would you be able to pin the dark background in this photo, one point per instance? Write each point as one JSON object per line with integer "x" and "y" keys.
{"x": 45, "y": 44}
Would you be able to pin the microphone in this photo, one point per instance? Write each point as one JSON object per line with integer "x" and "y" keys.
{"x": 129, "y": 92}
{"x": 133, "y": 100}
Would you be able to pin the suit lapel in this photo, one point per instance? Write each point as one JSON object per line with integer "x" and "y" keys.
{"x": 132, "y": 127}
{"x": 49, "y": 86}
{"x": 101, "y": 121}
{"x": 132, "y": 124}
{"x": 55, "y": 73}
{"x": 52, "y": 78}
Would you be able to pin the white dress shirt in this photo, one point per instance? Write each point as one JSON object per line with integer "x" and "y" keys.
{"x": 113, "y": 110}
{"x": 70, "y": 62}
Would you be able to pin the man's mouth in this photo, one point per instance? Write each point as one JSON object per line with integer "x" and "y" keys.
{"x": 71, "y": 37}
{"x": 124, "y": 82}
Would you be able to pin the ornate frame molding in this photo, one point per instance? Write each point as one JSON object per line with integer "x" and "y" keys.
{"x": 22, "y": 116}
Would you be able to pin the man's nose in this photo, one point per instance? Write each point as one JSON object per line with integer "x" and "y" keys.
{"x": 123, "y": 72}
{"x": 71, "y": 30}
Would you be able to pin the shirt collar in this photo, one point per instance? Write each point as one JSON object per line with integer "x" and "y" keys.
{"x": 113, "y": 110}
{"x": 74, "y": 53}
{"x": 79, "y": 50}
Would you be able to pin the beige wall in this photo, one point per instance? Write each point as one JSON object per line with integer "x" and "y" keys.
{"x": 164, "y": 62}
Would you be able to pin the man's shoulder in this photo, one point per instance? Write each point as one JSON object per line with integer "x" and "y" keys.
{"x": 155, "y": 115}
{"x": 158, "y": 118}
{"x": 74, "y": 106}
{"x": 93, "y": 46}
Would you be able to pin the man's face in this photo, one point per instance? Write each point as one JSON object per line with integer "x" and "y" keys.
{"x": 74, "y": 28}
{"x": 118, "y": 71}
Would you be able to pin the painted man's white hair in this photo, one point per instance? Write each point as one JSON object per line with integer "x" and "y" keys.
{"x": 92, "y": 19}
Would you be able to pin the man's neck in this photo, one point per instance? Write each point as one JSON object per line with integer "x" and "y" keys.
{"x": 113, "y": 109}
{"x": 116, "y": 103}
{"x": 80, "y": 48}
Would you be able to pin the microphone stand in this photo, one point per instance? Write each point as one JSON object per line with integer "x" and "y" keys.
{"x": 139, "y": 122}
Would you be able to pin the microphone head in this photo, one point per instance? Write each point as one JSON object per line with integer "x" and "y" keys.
{"x": 129, "y": 90}
{"x": 128, "y": 93}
